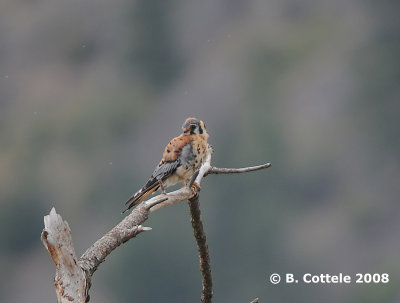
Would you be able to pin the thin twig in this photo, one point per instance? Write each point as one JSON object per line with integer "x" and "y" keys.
{"x": 220, "y": 170}
{"x": 204, "y": 256}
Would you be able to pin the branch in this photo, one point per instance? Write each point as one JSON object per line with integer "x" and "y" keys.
{"x": 70, "y": 280}
{"x": 198, "y": 231}
{"x": 128, "y": 228}
{"x": 185, "y": 193}
{"x": 217, "y": 170}
{"x": 73, "y": 275}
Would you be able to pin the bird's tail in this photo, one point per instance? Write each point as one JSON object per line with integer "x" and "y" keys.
{"x": 151, "y": 186}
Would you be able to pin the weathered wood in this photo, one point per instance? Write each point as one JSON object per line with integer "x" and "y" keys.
{"x": 128, "y": 228}
{"x": 70, "y": 280}
{"x": 73, "y": 276}
{"x": 202, "y": 247}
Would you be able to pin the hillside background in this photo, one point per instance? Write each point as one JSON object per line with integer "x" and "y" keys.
{"x": 91, "y": 92}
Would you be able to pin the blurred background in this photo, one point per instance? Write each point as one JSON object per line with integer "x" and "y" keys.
{"x": 92, "y": 91}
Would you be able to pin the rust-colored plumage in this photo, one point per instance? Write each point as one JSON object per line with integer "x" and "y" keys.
{"x": 182, "y": 157}
{"x": 174, "y": 148}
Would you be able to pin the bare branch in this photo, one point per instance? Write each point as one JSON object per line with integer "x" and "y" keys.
{"x": 185, "y": 193}
{"x": 255, "y": 300}
{"x": 176, "y": 196}
{"x": 128, "y": 228}
{"x": 70, "y": 280}
{"x": 73, "y": 276}
{"x": 204, "y": 256}
{"x": 217, "y": 170}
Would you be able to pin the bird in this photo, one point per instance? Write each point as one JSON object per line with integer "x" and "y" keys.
{"x": 181, "y": 159}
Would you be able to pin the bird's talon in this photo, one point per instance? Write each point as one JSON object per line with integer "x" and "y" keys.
{"x": 196, "y": 185}
{"x": 195, "y": 188}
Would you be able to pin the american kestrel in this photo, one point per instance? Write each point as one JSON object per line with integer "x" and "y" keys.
{"x": 182, "y": 157}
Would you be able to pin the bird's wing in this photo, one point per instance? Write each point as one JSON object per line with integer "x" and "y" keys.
{"x": 176, "y": 147}
{"x": 171, "y": 160}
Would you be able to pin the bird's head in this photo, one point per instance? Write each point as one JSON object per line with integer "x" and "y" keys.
{"x": 193, "y": 126}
